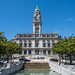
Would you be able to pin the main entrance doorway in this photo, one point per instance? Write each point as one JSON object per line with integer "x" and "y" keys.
{"x": 37, "y": 52}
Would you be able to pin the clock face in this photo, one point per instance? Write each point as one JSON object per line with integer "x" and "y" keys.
{"x": 37, "y": 25}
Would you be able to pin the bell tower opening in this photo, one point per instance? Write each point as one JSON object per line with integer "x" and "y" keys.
{"x": 37, "y": 24}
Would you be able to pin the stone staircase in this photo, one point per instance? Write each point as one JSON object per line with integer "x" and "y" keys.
{"x": 36, "y": 66}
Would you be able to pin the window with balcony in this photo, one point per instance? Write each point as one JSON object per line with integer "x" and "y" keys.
{"x": 44, "y": 52}
{"x": 36, "y": 45}
{"x": 48, "y": 45}
{"x": 25, "y": 45}
{"x": 21, "y": 44}
{"x": 29, "y": 45}
{"x": 49, "y": 52}
{"x": 44, "y": 41}
{"x": 30, "y": 41}
{"x": 48, "y": 35}
{"x": 20, "y": 52}
{"x": 37, "y": 52}
{"x": 21, "y": 35}
{"x": 29, "y": 52}
{"x": 37, "y": 35}
{"x": 43, "y": 35}
{"x": 44, "y": 45}
{"x": 25, "y": 52}
{"x": 52, "y": 35}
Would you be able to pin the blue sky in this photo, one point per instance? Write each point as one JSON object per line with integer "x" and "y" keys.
{"x": 57, "y": 16}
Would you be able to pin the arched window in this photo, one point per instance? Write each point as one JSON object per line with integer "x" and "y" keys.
{"x": 29, "y": 52}
{"x": 37, "y": 52}
{"x": 49, "y": 51}
{"x": 25, "y": 52}
{"x": 44, "y": 52}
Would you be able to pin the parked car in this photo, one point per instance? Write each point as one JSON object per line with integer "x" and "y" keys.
{"x": 24, "y": 59}
{"x": 54, "y": 59}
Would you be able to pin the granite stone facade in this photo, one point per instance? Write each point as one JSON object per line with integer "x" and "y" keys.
{"x": 37, "y": 43}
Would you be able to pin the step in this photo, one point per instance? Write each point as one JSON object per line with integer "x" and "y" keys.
{"x": 37, "y": 66}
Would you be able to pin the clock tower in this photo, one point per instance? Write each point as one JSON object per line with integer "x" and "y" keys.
{"x": 37, "y": 24}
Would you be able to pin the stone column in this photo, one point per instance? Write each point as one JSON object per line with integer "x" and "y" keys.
{"x": 42, "y": 52}
{"x": 23, "y": 43}
{"x": 51, "y": 52}
{"x": 33, "y": 28}
{"x": 33, "y": 43}
{"x": 40, "y": 29}
{"x": 19, "y": 42}
{"x": 27, "y": 43}
{"x": 50, "y": 36}
{"x": 33, "y": 52}
{"x": 41, "y": 43}
{"x": 22, "y": 52}
{"x": 39, "y": 52}
{"x": 46, "y": 52}
{"x": 46, "y": 44}
{"x": 51, "y": 47}
{"x": 27, "y": 52}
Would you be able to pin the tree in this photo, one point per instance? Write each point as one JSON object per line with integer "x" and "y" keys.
{"x": 3, "y": 45}
{"x": 8, "y": 47}
{"x": 13, "y": 48}
{"x": 58, "y": 48}
{"x": 65, "y": 46}
{"x": 71, "y": 48}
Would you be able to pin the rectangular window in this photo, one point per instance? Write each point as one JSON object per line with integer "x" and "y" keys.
{"x": 29, "y": 45}
{"x": 44, "y": 52}
{"x": 36, "y": 35}
{"x": 20, "y": 52}
{"x": 37, "y": 30}
{"x": 25, "y": 52}
{"x": 37, "y": 25}
{"x": 44, "y": 45}
{"x": 48, "y": 45}
{"x": 36, "y": 45}
{"x": 25, "y": 45}
{"x": 29, "y": 52}
{"x": 49, "y": 51}
{"x": 21, "y": 44}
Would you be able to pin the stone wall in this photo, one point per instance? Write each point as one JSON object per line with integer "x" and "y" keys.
{"x": 62, "y": 69}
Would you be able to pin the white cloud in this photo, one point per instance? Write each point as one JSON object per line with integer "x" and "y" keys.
{"x": 70, "y": 19}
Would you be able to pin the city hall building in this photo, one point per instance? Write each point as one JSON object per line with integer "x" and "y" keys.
{"x": 37, "y": 43}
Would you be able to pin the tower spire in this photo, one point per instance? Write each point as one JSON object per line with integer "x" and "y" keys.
{"x": 36, "y": 8}
{"x": 37, "y": 24}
